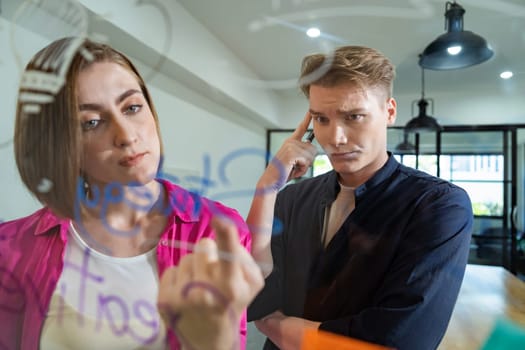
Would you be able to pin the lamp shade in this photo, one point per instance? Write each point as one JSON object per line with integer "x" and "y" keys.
{"x": 405, "y": 146}
{"x": 457, "y": 48}
{"x": 422, "y": 122}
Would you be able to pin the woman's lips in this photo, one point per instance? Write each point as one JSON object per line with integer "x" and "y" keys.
{"x": 132, "y": 160}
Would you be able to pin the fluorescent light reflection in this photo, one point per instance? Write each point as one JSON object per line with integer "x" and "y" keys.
{"x": 454, "y": 50}
{"x": 506, "y": 74}
{"x": 313, "y": 32}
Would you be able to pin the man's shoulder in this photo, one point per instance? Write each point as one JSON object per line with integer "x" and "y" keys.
{"x": 424, "y": 178}
{"x": 310, "y": 184}
{"x": 421, "y": 183}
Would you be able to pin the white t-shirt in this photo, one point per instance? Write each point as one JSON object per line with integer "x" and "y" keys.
{"x": 104, "y": 302}
{"x": 337, "y": 213}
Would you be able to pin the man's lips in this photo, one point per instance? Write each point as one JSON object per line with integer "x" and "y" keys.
{"x": 344, "y": 155}
{"x": 132, "y": 160}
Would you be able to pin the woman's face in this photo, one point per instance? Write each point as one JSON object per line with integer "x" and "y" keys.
{"x": 119, "y": 134}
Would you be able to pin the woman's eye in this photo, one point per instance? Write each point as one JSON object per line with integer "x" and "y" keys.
{"x": 133, "y": 109}
{"x": 90, "y": 124}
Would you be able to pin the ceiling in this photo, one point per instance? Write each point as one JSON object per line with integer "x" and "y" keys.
{"x": 268, "y": 36}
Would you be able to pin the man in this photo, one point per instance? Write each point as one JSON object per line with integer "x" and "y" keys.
{"x": 373, "y": 249}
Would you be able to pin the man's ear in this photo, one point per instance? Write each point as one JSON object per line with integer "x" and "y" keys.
{"x": 391, "y": 109}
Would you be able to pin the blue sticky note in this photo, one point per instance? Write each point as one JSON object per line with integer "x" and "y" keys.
{"x": 506, "y": 335}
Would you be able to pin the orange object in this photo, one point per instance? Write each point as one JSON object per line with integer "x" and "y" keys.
{"x": 314, "y": 339}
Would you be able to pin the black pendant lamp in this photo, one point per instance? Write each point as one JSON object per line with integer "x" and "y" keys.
{"x": 457, "y": 48}
{"x": 405, "y": 146}
{"x": 422, "y": 122}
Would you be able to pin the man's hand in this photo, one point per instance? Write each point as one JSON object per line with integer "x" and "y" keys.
{"x": 284, "y": 331}
{"x": 291, "y": 161}
{"x": 203, "y": 298}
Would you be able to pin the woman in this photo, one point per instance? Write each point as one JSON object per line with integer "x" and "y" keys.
{"x": 83, "y": 272}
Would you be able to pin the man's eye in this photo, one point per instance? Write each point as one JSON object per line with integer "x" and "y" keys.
{"x": 354, "y": 117}
{"x": 90, "y": 124}
{"x": 321, "y": 119}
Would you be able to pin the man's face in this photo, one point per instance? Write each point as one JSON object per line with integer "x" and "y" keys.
{"x": 350, "y": 124}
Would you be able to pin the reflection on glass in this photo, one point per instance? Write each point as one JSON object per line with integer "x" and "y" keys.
{"x": 480, "y": 167}
{"x": 481, "y": 176}
{"x": 487, "y": 198}
{"x": 426, "y": 163}
{"x": 321, "y": 165}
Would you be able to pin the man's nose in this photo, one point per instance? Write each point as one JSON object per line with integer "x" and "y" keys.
{"x": 338, "y": 135}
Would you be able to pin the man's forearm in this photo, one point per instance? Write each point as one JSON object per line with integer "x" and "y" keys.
{"x": 284, "y": 331}
{"x": 260, "y": 221}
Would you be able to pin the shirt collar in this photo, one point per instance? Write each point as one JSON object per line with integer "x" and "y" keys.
{"x": 331, "y": 187}
{"x": 182, "y": 203}
{"x": 381, "y": 175}
{"x": 46, "y": 220}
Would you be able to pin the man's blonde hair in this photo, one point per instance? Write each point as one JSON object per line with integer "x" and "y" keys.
{"x": 353, "y": 65}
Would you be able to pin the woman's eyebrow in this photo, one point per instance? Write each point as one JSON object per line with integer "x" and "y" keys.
{"x": 89, "y": 107}
{"x": 119, "y": 99}
{"x": 126, "y": 94}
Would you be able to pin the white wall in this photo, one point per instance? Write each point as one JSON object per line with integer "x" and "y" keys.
{"x": 191, "y": 134}
{"x": 192, "y": 46}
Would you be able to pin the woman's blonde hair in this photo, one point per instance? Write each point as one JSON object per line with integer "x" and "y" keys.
{"x": 47, "y": 140}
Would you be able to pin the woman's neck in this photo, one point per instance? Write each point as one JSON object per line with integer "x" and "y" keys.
{"x": 124, "y": 220}
{"x": 121, "y": 205}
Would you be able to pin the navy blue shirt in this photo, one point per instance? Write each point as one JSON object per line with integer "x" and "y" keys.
{"x": 390, "y": 275}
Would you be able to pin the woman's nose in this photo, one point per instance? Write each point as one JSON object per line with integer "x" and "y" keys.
{"x": 124, "y": 133}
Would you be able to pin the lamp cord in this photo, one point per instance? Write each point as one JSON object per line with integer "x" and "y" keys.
{"x": 422, "y": 83}
{"x": 448, "y": 4}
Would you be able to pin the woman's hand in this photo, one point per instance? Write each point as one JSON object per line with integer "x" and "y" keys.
{"x": 203, "y": 298}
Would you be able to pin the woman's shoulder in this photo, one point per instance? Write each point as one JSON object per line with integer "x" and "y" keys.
{"x": 36, "y": 223}
{"x": 181, "y": 202}
{"x": 21, "y": 222}
{"x": 192, "y": 207}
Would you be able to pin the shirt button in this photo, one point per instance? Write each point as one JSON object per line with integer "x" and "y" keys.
{"x": 164, "y": 242}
